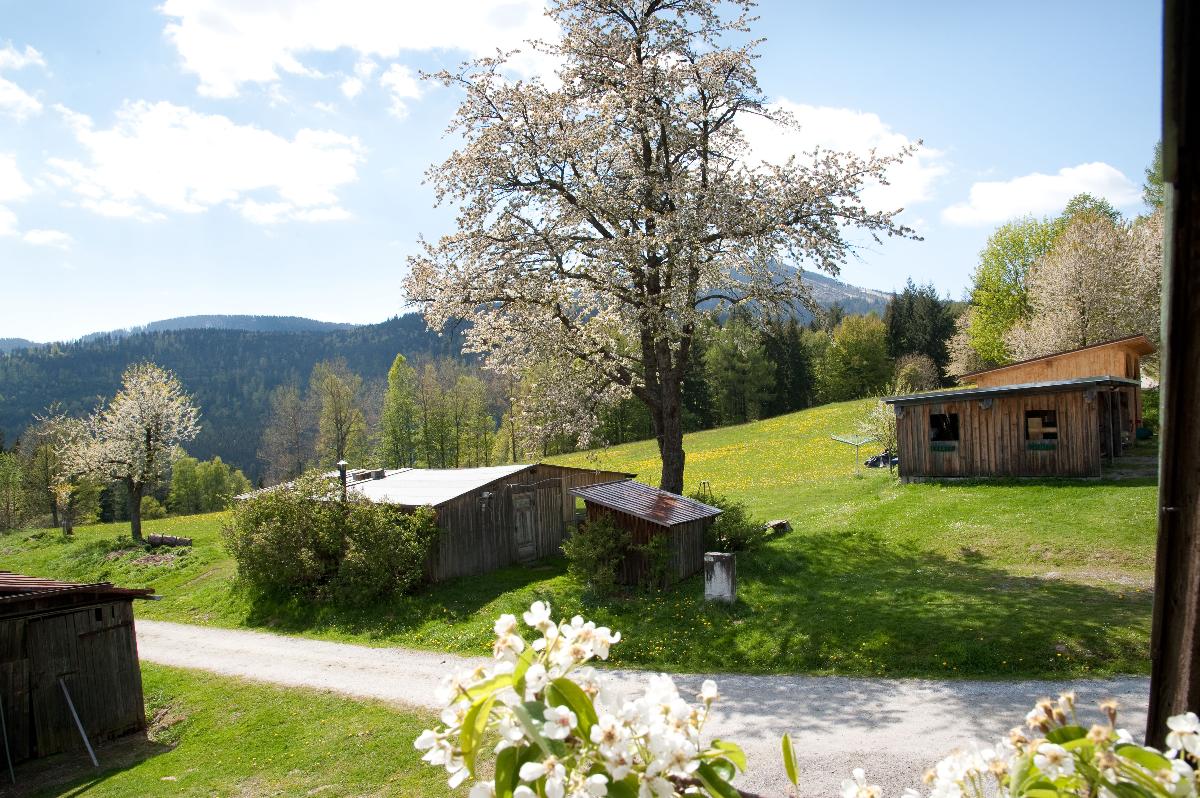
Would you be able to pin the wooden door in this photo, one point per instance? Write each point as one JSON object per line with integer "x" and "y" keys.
{"x": 524, "y": 523}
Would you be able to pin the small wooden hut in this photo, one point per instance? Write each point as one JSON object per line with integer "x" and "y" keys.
{"x": 1121, "y": 357}
{"x": 60, "y": 640}
{"x": 1047, "y": 429}
{"x": 489, "y": 517}
{"x": 648, "y": 512}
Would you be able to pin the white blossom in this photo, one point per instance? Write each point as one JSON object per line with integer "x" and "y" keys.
{"x": 1185, "y": 733}
{"x": 1054, "y": 760}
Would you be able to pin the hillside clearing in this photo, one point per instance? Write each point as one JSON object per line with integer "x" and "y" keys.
{"x": 1002, "y": 579}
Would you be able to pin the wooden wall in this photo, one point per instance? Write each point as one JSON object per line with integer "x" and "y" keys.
{"x": 685, "y": 545}
{"x": 94, "y": 650}
{"x": 992, "y": 439}
{"x": 1117, "y": 360}
{"x": 478, "y": 540}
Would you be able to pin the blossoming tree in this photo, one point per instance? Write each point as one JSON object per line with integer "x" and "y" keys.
{"x": 139, "y": 433}
{"x": 600, "y": 214}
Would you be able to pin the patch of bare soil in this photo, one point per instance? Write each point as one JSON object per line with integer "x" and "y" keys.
{"x": 117, "y": 554}
{"x": 155, "y": 559}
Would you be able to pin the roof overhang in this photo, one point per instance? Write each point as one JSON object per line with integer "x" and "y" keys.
{"x": 1139, "y": 344}
{"x": 1053, "y": 386}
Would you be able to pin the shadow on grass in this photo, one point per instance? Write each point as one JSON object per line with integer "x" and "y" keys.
{"x": 71, "y": 773}
{"x": 852, "y": 603}
{"x": 451, "y": 602}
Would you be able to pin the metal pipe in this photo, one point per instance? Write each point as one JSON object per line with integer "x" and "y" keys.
{"x": 78, "y": 723}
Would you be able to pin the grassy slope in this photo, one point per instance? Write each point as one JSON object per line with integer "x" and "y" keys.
{"x": 212, "y": 735}
{"x": 982, "y": 579}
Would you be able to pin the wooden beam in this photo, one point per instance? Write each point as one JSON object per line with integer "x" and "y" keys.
{"x": 1175, "y": 641}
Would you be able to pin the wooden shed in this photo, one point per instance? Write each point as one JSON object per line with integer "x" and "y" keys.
{"x": 489, "y": 517}
{"x": 647, "y": 512}
{"x": 60, "y": 640}
{"x": 1121, "y": 357}
{"x": 1060, "y": 428}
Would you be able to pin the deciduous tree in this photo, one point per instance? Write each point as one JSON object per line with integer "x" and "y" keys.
{"x": 341, "y": 426}
{"x": 400, "y": 428}
{"x": 134, "y": 438}
{"x": 600, "y": 216}
{"x": 287, "y": 441}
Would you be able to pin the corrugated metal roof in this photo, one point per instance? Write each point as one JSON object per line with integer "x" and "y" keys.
{"x": 414, "y": 487}
{"x": 15, "y": 587}
{"x": 659, "y": 506}
{"x": 1140, "y": 343}
{"x": 1026, "y": 387}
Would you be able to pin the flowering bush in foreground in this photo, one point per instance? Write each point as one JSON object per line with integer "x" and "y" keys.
{"x": 1056, "y": 756}
{"x": 558, "y": 732}
{"x": 561, "y": 734}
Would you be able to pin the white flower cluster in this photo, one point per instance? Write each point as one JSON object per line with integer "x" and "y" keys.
{"x": 1059, "y": 756}
{"x": 559, "y": 732}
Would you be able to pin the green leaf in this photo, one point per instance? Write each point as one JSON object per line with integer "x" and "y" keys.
{"x": 626, "y": 788}
{"x": 724, "y": 768}
{"x": 1064, "y": 734}
{"x": 789, "y": 760}
{"x": 564, "y": 692}
{"x": 506, "y": 772}
{"x": 716, "y": 786}
{"x": 1147, "y": 759}
{"x": 489, "y": 686}
{"x": 518, "y": 674}
{"x": 474, "y": 725}
{"x": 522, "y": 713}
{"x": 1125, "y": 789}
{"x": 731, "y": 751}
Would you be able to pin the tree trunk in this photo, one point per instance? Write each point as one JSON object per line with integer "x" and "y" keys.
{"x": 135, "y": 510}
{"x": 670, "y": 434}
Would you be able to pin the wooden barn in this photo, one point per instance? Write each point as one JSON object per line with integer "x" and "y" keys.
{"x": 648, "y": 512}
{"x": 1121, "y": 357}
{"x": 66, "y": 651}
{"x": 1060, "y": 428}
{"x": 489, "y": 517}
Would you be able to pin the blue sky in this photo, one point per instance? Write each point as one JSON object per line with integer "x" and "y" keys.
{"x": 218, "y": 156}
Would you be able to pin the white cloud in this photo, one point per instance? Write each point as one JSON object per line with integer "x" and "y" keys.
{"x": 15, "y": 101}
{"x": 402, "y": 85}
{"x": 8, "y": 222}
{"x": 992, "y": 202}
{"x": 12, "y": 58}
{"x": 12, "y": 184}
{"x": 351, "y": 87}
{"x": 848, "y": 130}
{"x": 161, "y": 157}
{"x": 229, "y": 43}
{"x": 48, "y": 238}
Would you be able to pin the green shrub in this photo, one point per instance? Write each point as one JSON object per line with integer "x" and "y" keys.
{"x": 152, "y": 508}
{"x": 734, "y": 529}
{"x": 594, "y": 552}
{"x": 1150, "y": 409}
{"x": 656, "y": 556}
{"x": 303, "y": 539}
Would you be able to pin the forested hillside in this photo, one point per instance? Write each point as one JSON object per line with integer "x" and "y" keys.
{"x": 229, "y": 372}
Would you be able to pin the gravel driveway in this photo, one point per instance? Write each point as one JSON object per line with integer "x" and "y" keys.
{"x": 894, "y": 728}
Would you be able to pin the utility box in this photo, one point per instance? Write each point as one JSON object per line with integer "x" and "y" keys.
{"x": 720, "y": 577}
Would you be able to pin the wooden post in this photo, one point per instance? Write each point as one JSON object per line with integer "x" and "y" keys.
{"x": 1175, "y": 641}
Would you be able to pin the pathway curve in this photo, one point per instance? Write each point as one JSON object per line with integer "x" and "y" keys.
{"x": 894, "y": 728}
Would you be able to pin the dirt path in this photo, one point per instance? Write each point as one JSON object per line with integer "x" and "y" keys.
{"x": 893, "y": 728}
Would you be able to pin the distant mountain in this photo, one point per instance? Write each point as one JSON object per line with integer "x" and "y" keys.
{"x": 229, "y": 322}
{"x": 231, "y": 373}
{"x": 854, "y": 300}
{"x": 9, "y": 344}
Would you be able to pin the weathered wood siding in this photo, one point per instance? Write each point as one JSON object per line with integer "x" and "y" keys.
{"x": 94, "y": 650}
{"x": 1114, "y": 360}
{"x": 476, "y": 539}
{"x": 992, "y": 439}
{"x": 685, "y": 544}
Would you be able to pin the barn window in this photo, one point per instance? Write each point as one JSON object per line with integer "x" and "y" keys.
{"x": 1041, "y": 426}
{"x": 943, "y": 427}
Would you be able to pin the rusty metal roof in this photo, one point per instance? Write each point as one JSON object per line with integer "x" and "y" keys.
{"x": 15, "y": 587}
{"x": 657, "y": 506}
